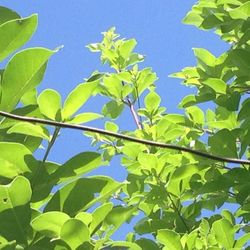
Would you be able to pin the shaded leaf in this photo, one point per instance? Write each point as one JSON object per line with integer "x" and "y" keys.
{"x": 7, "y": 15}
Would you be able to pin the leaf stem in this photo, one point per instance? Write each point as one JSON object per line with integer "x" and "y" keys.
{"x": 51, "y": 143}
{"x": 178, "y": 212}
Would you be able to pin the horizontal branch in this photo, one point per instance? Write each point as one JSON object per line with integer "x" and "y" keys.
{"x": 124, "y": 137}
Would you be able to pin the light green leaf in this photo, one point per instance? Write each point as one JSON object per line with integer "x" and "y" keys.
{"x": 15, "y": 211}
{"x": 148, "y": 161}
{"x": 77, "y": 98}
{"x": 85, "y": 117}
{"x": 27, "y": 128}
{"x": 127, "y": 47}
{"x": 16, "y": 33}
{"x": 74, "y": 232}
{"x": 152, "y": 101}
{"x": 204, "y": 57}
{"x": 218, "y": 85}
{"x": 85, "y": 217}
{"x": 242, "y": 241}
{"x": 185, "y": 171}
{"x": 113, "y": 86}
{"x": 7, "y": 15}
{"x": 24, "y": 72}
{"x": 50, "y": 223}
{"x": 170, "y": 239}
{"x": 196, "y": 115}
{"x": 224, "y": 233}
{"x": 99, "y": 215}
{"x": 49, "y": 102}
{"x": 78, "y": 165}
{"x": 242, "y": 12}
{"x": 15, "y": 159}
{"x": 29, "y": 98}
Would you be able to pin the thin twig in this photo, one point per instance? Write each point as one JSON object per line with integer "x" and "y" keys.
{"x": 124, "y": 137}
{"x": 178, "y": 212}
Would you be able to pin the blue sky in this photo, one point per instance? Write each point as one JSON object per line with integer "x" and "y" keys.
{"x": 155, "y": 24}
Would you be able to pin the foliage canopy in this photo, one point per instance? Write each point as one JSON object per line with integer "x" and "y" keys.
{"x": 181, "y": 198}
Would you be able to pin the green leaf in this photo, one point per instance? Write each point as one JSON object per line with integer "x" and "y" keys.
{"x": 218, "y": 85}
{"x": 77, "y": 98}
{"x": 204, "y": 57}
{"x": 126, "y": 48}
{"x": 99, "y": 215}
{"x": 15, "y": 159}
{"x": 85, "y": 217}
{"x": 27, "y": 128}
{"x": 49, "y": 102}
{"x": 148, "y": 161}
{"x": 170, "y": 239}
{"x": 67, "y": 198}
{"x": 29, "y": 98}
{"x": 7, "y": 15}
{"x": 223, "y": 143}
{"x": 224, "y": 233}
{"x": 196, "y": 115}
{"x": 78, "y": 165}
{"x": 74, "y": 232}
{"x": 152, "y": 101}
{"x": 242, "y": 12}
{"x": 118, "y": 245}
{"x": 16, "y": 33}
{"x": 112, "y": 109}
{"x": 15, "y": 211}
{"x": 50, "y": 223}
{"x": 147, "y": 244}
{"x": 242, "y": 241}
{"x": 118, "y": 216}
{"x": 85, "y": 117}
{"x": 241, "y": 59}
{"x": 24, "y": 72}
{"x": 185, "y": 171}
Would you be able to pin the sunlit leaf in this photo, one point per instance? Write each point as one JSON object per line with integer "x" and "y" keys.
{"x": 29, "y": 129}
{"x": 49, "y": 102}
{"x": 16, "y": 33}
{"x": 170, "y": 239}
{"x": 74, "y": 232}
{"x": 77, "y": 98}
{"x": 224, "y": 233}
{"x": 15, "y": 159}
{"x": 15, "y": 211}
{"x": 23, "y": 72}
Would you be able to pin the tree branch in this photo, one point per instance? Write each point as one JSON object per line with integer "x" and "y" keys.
{"x": 124, "y": 137}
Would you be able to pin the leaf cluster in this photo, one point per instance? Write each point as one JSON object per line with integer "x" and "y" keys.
{"x": 179, "y": 198}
